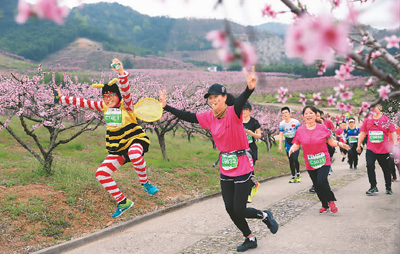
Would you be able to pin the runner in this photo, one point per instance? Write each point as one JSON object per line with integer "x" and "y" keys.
{"x": 225, "y": 123}
{"x": 378, "y": 127}
{"x": 352, "y": 133}
{"x": 253, "y": 132}
{"x": 341, "y": 137}
{"x": 313, "y": 138}
{"x": 287, "y": 130}
{"x": 125, "y": 140}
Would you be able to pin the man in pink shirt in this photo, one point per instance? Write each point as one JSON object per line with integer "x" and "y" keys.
{"x": 378, "y": 127}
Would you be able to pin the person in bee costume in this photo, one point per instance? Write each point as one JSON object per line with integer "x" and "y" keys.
{"x": 125, "y": 140}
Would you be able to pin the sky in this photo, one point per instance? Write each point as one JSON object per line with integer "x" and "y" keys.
{"x": 244, "y": 12}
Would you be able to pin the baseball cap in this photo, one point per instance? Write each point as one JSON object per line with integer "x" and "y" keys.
{"x": 351, "y": 120}
{"x": 215, "y": 89}
{"x": 247, "y": 106}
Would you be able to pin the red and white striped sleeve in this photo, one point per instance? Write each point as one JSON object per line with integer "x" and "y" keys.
{"x": 83, "y": 103}
{"x": 125, "y": 91}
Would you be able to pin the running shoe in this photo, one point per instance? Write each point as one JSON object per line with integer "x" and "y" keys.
{"x": 121, "y": 208}
{"x": 293, "y": 180}
{"x": 312, "y": 189}
{"x": 249, "y": 199}
{"x": 323, "y": 210}
{"x": 332, "y": 206}
{"x": 394, "y": 179}
{"x": 372, "y": 191}
{"x": 389, "y": 191}
{"x": 271, "y": 222}
{"x": 330, "y": 171}
{"x": 247, "y": 244}
{"x": 298, "y": 178}
{"x": 254, "y": 190}
{"x": 151, "y": 189}
{"x": 343, "y": 158}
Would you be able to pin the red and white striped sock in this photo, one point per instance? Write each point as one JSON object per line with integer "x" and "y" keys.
{"x": 135, "y": 155}
{"x": 111, "y": 164}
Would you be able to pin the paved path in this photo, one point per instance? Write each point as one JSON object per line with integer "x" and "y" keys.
{"x": 364, "y": 224}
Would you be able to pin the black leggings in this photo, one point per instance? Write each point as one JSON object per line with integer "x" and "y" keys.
{"x": 353, "y": 155}
{"x": 319, "y": 177}
{"x": 235, "y": 199}
{"x": 384, "y": 162}
{"x": 294, "y": 162}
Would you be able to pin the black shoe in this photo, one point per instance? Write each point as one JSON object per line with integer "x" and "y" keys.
{"x": 355, "y": 167}
{"x": 343, "y": 159}
{"x": 271, "y": 222}
{"x": 247, "y": 244}
{"x": 312, "y": 189}
{"x": 389, "y": 191}
{"x": 351, "y": 166}
{"x": 372, "y": 191}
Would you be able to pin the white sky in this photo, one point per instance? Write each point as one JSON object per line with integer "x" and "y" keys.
{"x": 248, "y": 13}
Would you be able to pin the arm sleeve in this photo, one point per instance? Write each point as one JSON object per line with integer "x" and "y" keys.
{"x": 125, "y": 91}
{"x": 183, "y": 115}
{"x": 95, "y": 105}
{"x": 241, "y": 100}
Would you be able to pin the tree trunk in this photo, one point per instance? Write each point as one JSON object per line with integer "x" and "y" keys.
{"x": 161, "y": 142}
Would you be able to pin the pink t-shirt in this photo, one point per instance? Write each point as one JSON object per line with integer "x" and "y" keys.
{"x": 313, "y": 143}
{"x": 329, "y": 124}
{"x": 337, "y": 119}
{"x": 339, "y": 133}
{"x": 229, "y": 135}
{"x": 378, "y": 132}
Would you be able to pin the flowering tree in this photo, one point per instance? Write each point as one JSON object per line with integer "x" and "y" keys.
{"x": 30, "y": 101}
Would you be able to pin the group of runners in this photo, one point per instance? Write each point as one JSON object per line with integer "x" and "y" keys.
{"x": 234, "y": 132}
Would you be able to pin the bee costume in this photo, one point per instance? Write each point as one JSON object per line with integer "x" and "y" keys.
{"x": 125, "y": 139}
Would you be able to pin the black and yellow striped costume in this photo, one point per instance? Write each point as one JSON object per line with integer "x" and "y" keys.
{"x": 120, "y": 138}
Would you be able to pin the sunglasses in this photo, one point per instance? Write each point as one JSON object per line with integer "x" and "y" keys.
{"x": 107, "y": 95}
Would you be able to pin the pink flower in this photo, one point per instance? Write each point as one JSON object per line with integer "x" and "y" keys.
{"x": 281, "y": 98}
{"x": 393, "y": 41}
{"x": 49, "y": 9}
{"x": 353, "y": 15}
{"x": 267, "y": 11}
{"x": 303, "y": 99}
{"x": 365, "y": 105}
{"x": 336, "y": 3}
{"x": 340, "y": 88}
{"x": 348, "y": 108}
{"x": 282, "y": 91}
{"x": 24, "y": 12}
{"x": 249, "y": 56}
{"x": 344, "y": 72}
{"x": 347, "y": 95}
{"x": 225, "y": 56}
{"x": 376, "y": 54}
{"x": 340, "y": 106}
{"x": 218, "y": 39}
{"x": 322, "y": 68}
{"x": 384, "y": 92}
{"x": 316, "y": 98}
{"x": 360, "y": 50}
{"x": 331, "y": 100}
{"x": 369, "y": 83}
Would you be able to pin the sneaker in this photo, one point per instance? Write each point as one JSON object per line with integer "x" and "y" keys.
{"x": 254, "y": 190}
{"x": 351, "y": 166}
{"x": 343, "y": 159}
{"x": 372, "y": 191}
{"x": 293, "y": 180}
{"x": 247, "y": 244}
{"x": 330, "y": 171}
{"x": 121, "y": 208}
{"x": 312, "y": 189}
{"x": 332, "y": 206}
{"x": 271, "y": 222}
{"x": 249, "y": 199}
{"x": 323, "y": 210}
{"x": 151, "y": 189}
{"x": 394, "y": 179}
{"x": 389, "y": 191}
{"x": 298, "y": 178}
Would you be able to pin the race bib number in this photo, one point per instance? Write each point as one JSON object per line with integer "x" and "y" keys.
{"x": 352, "y": 139}
{"x": 249, "y": 138}
{"x": 113, "y": 117}
{"x": 289, "y": 135}
{"x": 316, "y": 160}
{"x": 375, "y": 136}
{"x": 229, "y": 162}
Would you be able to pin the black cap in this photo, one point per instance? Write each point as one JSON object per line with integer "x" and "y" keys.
{"x": 247, "y": 106}
{"x": 113, "y": 89}
{"x": 215, "y": 89}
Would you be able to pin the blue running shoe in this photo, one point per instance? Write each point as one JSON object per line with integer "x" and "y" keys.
{"x": 121, "y": 208}
{"x": 271, "y": 222}
{"x": 151, "y": 189}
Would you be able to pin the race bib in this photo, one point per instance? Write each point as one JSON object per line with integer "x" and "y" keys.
{"x": 375, "y": 136}
{"x": 316, "y": 160}
{"x": 289, "y": 135}
{"x": 229, "y": 162}
{"x": 352, "y": 139}
{"x": 113, "y": 117}
{"x": 249, "y": 138}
